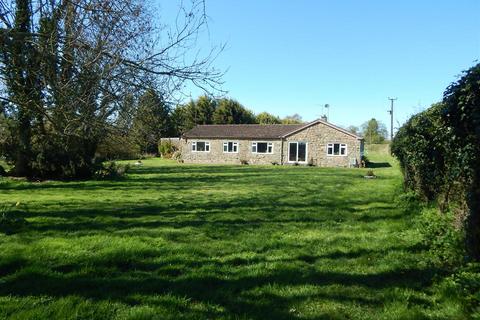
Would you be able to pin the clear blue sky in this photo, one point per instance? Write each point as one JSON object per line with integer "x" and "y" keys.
{"x": 289, "y": 57}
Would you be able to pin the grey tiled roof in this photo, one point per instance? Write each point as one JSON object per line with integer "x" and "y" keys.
{"x": 245, "y": 131}
{"x": 256, "y": 131}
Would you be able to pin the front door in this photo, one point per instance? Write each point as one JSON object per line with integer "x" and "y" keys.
{"x": 297, "y": 151}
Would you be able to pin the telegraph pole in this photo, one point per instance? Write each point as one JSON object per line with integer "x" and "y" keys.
{"x": 391, "y": 117}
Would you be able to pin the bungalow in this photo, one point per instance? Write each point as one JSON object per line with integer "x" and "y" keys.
{"x": 318, "y": 143}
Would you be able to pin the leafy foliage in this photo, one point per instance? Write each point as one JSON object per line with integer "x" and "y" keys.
{"x": 166, "y": 149}
{"x": 374, "y": 131}
{"x": 293, "y": 119}
{"x": 230, "y": 111}
{"x": 439, "y": 153}
{"x": 67, "y": 69}
{"x": 151, "y": 121}
{"x": 267, "y": 118}
{"x": 111, "y": 170}
{"x": 418, "y": 145}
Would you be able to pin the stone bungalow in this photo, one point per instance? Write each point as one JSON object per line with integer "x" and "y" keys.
{"x": 318, "y": 143}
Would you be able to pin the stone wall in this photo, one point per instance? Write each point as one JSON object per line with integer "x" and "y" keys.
{"x": 216, "y": 154}
{"x": 317, "y": 137}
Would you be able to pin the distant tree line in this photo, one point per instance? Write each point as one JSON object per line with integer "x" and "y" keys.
{"x": 145, "y": 120}
{"x": 439, "y": 154}
{"x": 206, "y": 110}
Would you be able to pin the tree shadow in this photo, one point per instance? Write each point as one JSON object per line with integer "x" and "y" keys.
{"x": 238, "y": 284}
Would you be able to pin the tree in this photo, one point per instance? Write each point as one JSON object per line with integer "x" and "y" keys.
{"x": 66, "y": 67}
{"x": 187, "y": 116}
{"x": 151, "y": 121}
{"x": 293, "y": 119}
{"x": 353, "y": 129}
{"x": 267, "y": 118}
{"x": 374, "y": 131}
{"x": 230, "y": 111}
{"x": 205, "y": 109}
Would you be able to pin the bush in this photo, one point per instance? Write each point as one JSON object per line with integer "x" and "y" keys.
{"x": 2, "y": 172}
{"x": 244, "y": 162}
{"x": 443, "y": 238}
{"x": 166, "y": 149}
{"x": 111, "y": 170}
{"x": 118, "y": 147}
{"x": 439, "y": 152}
{"x": 419, "y": 146}
{"x": 177, "y": 155}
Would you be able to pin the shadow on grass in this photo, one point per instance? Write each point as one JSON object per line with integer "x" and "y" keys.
{"x": 233, "y": 294}
{"x": 374, "y": 165}
{"x": 292, "y": 200}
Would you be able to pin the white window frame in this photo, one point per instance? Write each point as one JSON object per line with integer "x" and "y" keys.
{"x": 207, "y": 146}
{"x": 306, "y": 151}
{"x": 234, "y": 146}
{"x": 255, "y": 149}
{"x": 340, "y": 147}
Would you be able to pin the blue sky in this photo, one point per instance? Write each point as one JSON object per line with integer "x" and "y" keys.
{"x": 289, "y": 57}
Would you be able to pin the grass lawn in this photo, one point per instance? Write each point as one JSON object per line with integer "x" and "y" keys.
{"x": 175, "y": 241}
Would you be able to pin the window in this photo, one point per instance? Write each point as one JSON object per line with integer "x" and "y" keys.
{"x": 201, "y": 146}
{"x": 297, "y": 151}
{"x": 337, "y": 149}
{"x": 262, "y": 147}
{"x": 230, "y": 147}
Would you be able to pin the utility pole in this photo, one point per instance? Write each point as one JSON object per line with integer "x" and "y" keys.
{"x": 391, "y": 117}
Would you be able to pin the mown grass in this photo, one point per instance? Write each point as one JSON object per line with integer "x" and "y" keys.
{"x": 177, "y": 241}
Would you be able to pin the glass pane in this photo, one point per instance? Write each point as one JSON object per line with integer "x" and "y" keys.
{"x": 336, "y": 149}
{"x": 200, "y": 146}
{"x": 302, "y": 151}
{"x": 262, "y": 147}
{"x": 343, "y": 149}
{"x": 225, "y": 147}
{"x": 292, "y": 151}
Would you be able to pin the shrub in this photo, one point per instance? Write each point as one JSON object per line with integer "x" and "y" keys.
{"x": 177, "y": 155}
{"x": 111, "y": 170}
{"x": 166, "y": 149}
{"x": 468, "y": 283}
{"x": 370, "y": 173}
{"x": 118, "y": 147}
{"x": 244, "y": 162}
{"x": 439, "y": 152}
{"x": 442, "y": 237}
{"x": 419, "y": 146}
{"x": 2, "y": 172}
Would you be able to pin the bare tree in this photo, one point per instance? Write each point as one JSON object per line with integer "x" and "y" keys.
{"x": 67, "y": 65}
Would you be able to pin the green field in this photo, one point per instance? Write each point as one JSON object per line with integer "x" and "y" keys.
{"x": 173, "y": 241}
